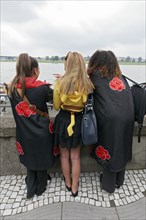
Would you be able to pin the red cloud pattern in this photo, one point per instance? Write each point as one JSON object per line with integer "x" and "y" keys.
{"x": 22, "y": 108}
{"x": 102, "y": 153}
{"x": 117, "y": 84}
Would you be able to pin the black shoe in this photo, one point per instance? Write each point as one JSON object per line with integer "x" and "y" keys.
{"x": 41, "y": 192}
{"x": 49, "y": 177}
{"x": 68, "y": 188}
{"x": 74, "y": 194}
{"x": 29, "y": 196}
{"x": 100, "y": 177}
{"x": 26, "y": 180}
{"x": 117, "y": 186}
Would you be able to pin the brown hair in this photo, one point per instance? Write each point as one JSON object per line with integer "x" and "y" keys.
{"x": 75, "y": 76}
{"x": 105, "y": 62}
{"x": 24, "y": 68}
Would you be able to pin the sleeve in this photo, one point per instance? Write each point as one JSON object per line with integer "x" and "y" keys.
{"x": 49, "y": 93}
{"x": 56, "y": 98}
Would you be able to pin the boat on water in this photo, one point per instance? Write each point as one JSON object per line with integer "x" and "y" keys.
{"x": 3, "y": 93}
{"x": 3, "y": 98}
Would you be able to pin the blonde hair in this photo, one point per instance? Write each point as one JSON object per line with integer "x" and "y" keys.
{"x": 75, "y": 77}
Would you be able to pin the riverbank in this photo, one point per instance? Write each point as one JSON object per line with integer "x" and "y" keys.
{"x": 61, "y": 61}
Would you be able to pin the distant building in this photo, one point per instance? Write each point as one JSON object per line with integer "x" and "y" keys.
{"x": 8, "y": 58}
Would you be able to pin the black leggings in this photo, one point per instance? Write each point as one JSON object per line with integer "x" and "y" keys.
{"x": 36, "y": 182}
{"x": 111, "y": 179}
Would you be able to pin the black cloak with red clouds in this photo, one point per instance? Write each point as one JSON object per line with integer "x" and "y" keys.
{"x": 114, "y": 109}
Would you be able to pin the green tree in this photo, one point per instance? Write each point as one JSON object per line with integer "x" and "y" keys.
{"x": 128, "y": 59}
{"x": 139, "y": 59}
{"x": 56, "y": 58}
{"x": 62, "y": 58}
{"x": 52, "y": 58}
{"x": 46, "y": 58}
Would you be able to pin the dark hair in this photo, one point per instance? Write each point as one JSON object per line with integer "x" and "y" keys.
{"x": 105, "y": 62}
{"x": 34, "y": 63}
{"x": 24, "y": 68}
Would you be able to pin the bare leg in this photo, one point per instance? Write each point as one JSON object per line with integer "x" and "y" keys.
{"x": 65, "y": 165}
{"x": 75, "y": 159}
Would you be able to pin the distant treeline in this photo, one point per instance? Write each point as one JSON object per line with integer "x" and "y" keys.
{"x": 87, "y": 58}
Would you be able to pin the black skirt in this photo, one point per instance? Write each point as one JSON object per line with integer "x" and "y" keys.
{"x": 61, "y": 123}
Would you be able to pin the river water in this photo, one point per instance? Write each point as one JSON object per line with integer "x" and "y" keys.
{"x": 7, "y": 71}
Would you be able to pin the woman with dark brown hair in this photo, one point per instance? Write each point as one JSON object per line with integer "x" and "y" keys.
{"x": 33, "y": 134}
{"x": 113, "y": 105}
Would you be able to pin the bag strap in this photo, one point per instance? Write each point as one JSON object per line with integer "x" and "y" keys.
{"x": 131, "y": 80}
{"x": 141, "y": 113}
{"x": 89, "y": 103}
{"x": 142, "y": 107}
{"x": 32, "y": 107}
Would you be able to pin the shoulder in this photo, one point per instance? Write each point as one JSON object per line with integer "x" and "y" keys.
{"x": 95, "y": 74}
{"x": 42, "y": 90}
{"x": 57, "y": 84}
{"x": 95, "y": 77}
{"x": 47, "y": 87}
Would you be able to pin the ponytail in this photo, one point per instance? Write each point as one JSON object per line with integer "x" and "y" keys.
{"x": 23, "y": 69}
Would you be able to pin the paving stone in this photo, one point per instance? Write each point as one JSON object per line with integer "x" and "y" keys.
{"x": 67, "y": 198}
{"x": 36, "y": 204}
{"x": 62, "y": 198}
{"x": 3, "y": 206}
{"x": 7, "y": 212}
{"x": 16, "y": 205}
{"x": 19, "y": 210}
{"x": 41, "y": 203}
{"x": 14, "y": 211}
{"x": 8, "y": 206}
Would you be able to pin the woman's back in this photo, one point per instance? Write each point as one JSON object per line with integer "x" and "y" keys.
{"x": 114, "y": 108}
{"x": 33, "y": 136}
{"x": 113, "y": 98}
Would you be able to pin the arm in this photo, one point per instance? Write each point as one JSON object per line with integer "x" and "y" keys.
{"x": 56, "y": 98}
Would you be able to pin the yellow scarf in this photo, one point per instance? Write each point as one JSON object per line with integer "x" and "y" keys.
{"x": 72, "y": 123}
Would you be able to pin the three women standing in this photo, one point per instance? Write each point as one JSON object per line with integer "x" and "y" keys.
{"x": 113, "y": 107}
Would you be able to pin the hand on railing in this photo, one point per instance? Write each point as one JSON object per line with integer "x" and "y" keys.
{"x": 57, "y": 75}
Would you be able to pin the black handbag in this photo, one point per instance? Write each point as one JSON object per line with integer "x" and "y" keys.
{"x": 89, "y": 123}
{"x": 139, "y": 98}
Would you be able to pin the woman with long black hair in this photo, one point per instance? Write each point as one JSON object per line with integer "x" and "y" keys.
{"x": 114, "y": 108}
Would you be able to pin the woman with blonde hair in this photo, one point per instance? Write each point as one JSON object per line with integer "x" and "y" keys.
{"x": 70, "y": 95}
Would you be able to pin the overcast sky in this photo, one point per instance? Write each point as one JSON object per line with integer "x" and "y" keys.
{"x": 49, "y": 28}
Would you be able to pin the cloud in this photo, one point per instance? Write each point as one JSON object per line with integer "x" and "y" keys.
{"x": 47, "y": 28}
{"x": 17, "y": 12}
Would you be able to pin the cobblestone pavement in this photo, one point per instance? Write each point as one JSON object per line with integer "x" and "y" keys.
{"x": 13, "y": 192}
